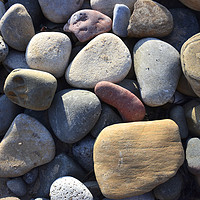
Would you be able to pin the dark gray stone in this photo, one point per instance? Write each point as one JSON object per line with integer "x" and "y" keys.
{"x": 93, "y": 187}
{"x": 31, "y": 176}
{"x": 3, "y": 74}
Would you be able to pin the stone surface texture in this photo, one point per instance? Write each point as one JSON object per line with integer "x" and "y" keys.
{"x": 193, "y": 4}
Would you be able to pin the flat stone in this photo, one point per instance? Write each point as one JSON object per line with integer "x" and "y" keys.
{"x": 86, "y": 24}
{"x": 47, "y": 50}
{"x": 193, "y": 4}
{"x": 3, "y": 49}
{"x": 112, "y": 62}
{"x": 157, "y": 68}
{"x": 17, "y": 27}
{"x": 31, "y": 89}
{"x": 137, "y": 155}
{"x": 27, "y": 144}
{"x": 150, "y": 19}
{"x": 128, "y": 105}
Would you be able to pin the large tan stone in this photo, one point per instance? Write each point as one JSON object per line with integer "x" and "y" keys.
{"x": 133, "y": 158}
{"x": 193, "y": 4}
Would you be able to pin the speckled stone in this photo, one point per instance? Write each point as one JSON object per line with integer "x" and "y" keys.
{"x": 193, "y": 4}
{"x": 3, "y": 49}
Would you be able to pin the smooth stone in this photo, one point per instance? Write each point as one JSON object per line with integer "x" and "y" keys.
{"x": 59, "y": 11}
{"x": 112, "y": 62}
{"x": 3, "y": 49}
{"x": 177, "y": 114}
{"x": 150, "y": 19}
{"x": 83, "y": 153}
{"x": 15, "y": 59}
{"x": 47, "y": 50}
{"x": 121, "y": 15}
{"x": 26, "y": 145}
{"x": 86, "y": 24}
{"x": 8, "y": 111}
{"x": 31, "y": 176}
{"x": 5, "y": 193}
{"x": 73, "y": 114}
{"x": 192, "y": 4}
{"x": 107, "y": 7}
{"x": 17, "y": 27}
{"x": 138, "y": 155}
{"x": 93, "y": 187}
{"x": 108, "y": 117}
{"x": 30, "y": 89}
{"x": 68, "y": 187}
{"x": 62, "y": 165}
{"x": 3, "y": 75}
{"x": 157, "y": 68}
{"x": 128, "y": 105}
{"x": 10, "y": 198}
{"x": 17, "y": 186}
{"x": 2, "y": 9}
{"x": 171, "y": 189}
{"x": 193, "y": 155}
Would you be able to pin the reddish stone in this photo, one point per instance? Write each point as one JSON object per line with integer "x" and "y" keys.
{"x": 128, "y": 105}
{"x": 86, "y": 24}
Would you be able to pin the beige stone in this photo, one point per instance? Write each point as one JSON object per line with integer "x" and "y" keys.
{"x": 133, "y": 158}
{"x": 193, "y": 4}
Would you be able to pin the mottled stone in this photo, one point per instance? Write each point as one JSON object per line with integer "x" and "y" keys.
{"x": 150, "y": 19}
{"x": 137, "y": 155}
{"x": 112, "y": 62}
{"x": 31, "y": 176}
{"x": 27, "y": 144}
{"x": 31, "y": 89}
{"x": 17, "y": 27}
{"x": 128, "y": 105}
{"x": 3, "y": 49}
{"x": 86, "y": 24}
{"x": 193, "y": 4}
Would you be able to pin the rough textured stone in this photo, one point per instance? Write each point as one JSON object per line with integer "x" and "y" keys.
{"x": 128, "y": 105}
{"x": 150, "y": 19}
{"x": 3, "y": 49}
{"x": 137, "y": 155}
{"x": 157, "y": 68}
{"x": 17, "y": 27}
{"x": 31, "y": 176}
{"x": 193, "y": 4}
{"x": 86, "y": 24}
{"x": 31, "y": 89}
{"x": 112, "y": 62}
{"x": 27, "y": 144}
{"x": 73, "y": 114}
{"x": 59, "y": 11}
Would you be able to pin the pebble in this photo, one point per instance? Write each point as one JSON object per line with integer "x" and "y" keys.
{"x": 17, "y": 186}
{"x": 150, "y": 19}
{"x": 47, "y": 50}
{"x": 69, "y": 188}
{"x": 59, "y": 11}
{"x": 128, "y": 105}
{"x": 193, "y": 4}
{"x": 112, "y": 62}
{"x": 17, "y": 18}
{"x": 86, "y": 24}
{"x": 145, "y": 154}
{"x": 31, "y": 176}
{"x": 3, "y": 49}
{"x": 4, "y": 191}
{"x": 10, "y": 198}
{"x": 73, "y": 114}
{"x": 157, "y": 68}
{"x": 121, "y": 15}
{"x": 30, "y": 89}
{"x": 2, "y": 9}
{"x": 29, "y": 145}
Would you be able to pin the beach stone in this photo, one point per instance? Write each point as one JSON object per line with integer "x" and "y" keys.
{"x": 145, "y": 154}
{"x": 128, "y": 105}
{"x": 171, "y": 189}
{"x": 73, "y": 114}
{"x": 3, "y": 49}
{"x": 108, "y": 117}
{"x": 157, "y": 68}
{"x": 112, "y": 62}
{"x": 17, "y": 27}
{"x": 107, "y": 7}
{"x": 150, "y": 19}
{"x": 193, "y": 155}
{"x": 192, "y": 4}
{"x": 121, "y": 15}
{"x": 10, "y": 198}
{"x": 59, "y": 11}
{"x": 93, "y": 187}
{"x": 47, "y": 50}
{"x": 2, "y": 9}
{"x": 68, "y": 187}
{"x": 177, "y": 114}
{"x": 86, "y": 24}
{"x": 4, "y": 191}
{"x": 27, "y": 144}
{"x": 17, "y": 186}
{"x": 15, "y": 59}
{"x": 31, "y": 89}
{"x": 62, "y": 165}
{"x": 31, "y": 176}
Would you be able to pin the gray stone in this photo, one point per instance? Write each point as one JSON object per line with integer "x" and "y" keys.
{"x": 17, "y": 186}
{"x": 4, "y": 191}
{"x": 3, "y": 49}
{"x": 31, "y": 176}
{"x": 2, "y": 9}
{"x": 73, "y": 114}
{"x": 17, "y": 27}
{"x": 157, "y": 68}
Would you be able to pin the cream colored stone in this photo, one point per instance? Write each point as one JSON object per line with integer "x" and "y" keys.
{"x": 193, "y": 4}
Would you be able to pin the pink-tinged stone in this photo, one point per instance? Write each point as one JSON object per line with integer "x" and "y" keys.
{"x": 128, "y": 105}
{"x": 86, "y": 24}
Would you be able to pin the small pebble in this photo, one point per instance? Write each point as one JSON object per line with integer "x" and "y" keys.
{"x": 31, "y": 176}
